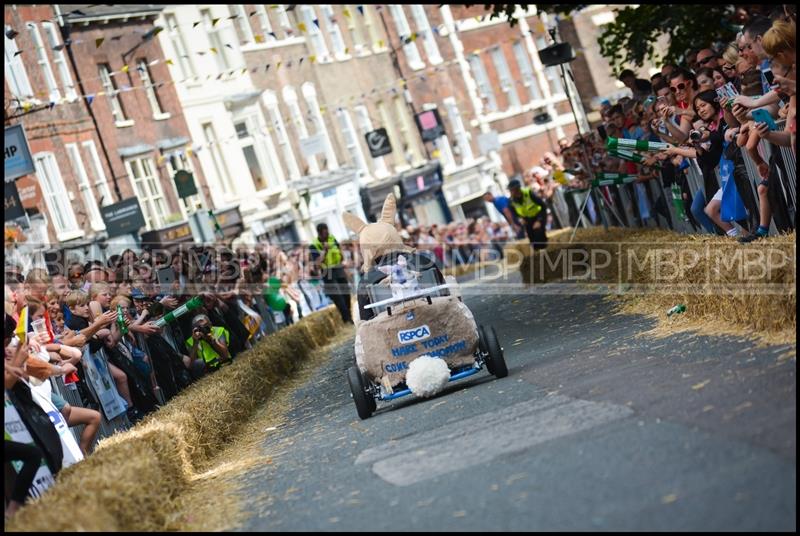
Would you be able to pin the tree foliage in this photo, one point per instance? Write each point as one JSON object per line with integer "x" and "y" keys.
{"x": 631, "y": 39}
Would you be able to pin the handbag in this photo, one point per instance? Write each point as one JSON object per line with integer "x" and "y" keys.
{"x": 732, "y": 207}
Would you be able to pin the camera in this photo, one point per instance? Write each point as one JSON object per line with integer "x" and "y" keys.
{"x": 203, "y": 329}
{"x": 695, "y": 135}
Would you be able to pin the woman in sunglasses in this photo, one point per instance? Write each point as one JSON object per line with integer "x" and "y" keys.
{"x": 682, "y": 85}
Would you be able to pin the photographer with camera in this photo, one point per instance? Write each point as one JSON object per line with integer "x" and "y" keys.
{"x": 208, "y": 346}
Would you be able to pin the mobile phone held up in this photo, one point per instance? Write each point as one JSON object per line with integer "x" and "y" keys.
{"x": 760, "y": 115}
{"x": 166, "y": 276}
{"x": 769, "y": 77}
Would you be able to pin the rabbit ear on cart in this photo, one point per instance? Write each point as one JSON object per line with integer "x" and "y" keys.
{"x": 389, "y": 209}
{"x": 353, "y": 222}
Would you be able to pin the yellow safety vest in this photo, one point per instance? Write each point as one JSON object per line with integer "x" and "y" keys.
{"x": 209, "y": 355}
{"x": 334, "y": 256}
{"x": 528, "y": 208}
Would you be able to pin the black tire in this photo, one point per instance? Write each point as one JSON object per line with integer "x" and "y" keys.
{"x": 365, "y": 404}
{"x": 484, "y": 350}
{"x": 495, "y": 362}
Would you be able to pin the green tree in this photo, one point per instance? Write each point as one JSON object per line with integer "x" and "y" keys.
{"x": 631, "y": 38}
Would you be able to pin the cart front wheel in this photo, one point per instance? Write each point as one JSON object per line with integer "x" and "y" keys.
{"x": 365, "y": 404}
{"x": 495, "y": 362}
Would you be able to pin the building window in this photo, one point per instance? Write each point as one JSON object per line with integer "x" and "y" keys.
{"x": 242, "y": 22}
{"x": 150, "y": 90}
{"x": 391, "y": 127}
{"x": 525, "y": 69}
{"x": 176, "y": 161}
{"x": 99, "y": 175}
{"x": 317, "y": 40}
{"x": 247, "y": 145}
{"x": 44, "y": 63}
{"x": 179, "y": 45}
{"x": 148, "y": 190}
{"x": 410, "y": 149}
{"x": 263, "y": 20}
{"x": 378, "y": 43}
{"x": 59, "y": 58}
{"x": 111, "y": 92}
{"x": 271, "y": 103}
{"x": 283, "y": 20}
{"x": 354, "y": 27}
{"x": 84, "y": 186}
{"x": 333, "y": 30}
{"x": 55, "y": 194}
{"x": 424, "y": 29}
{"x": 404, "y": 31}
{"x": 506, "y": 82}
{"x": 482, "y": 80}
{"x": 216, "y": 156}
{"x": 351, "y": 140}
{"x": 15, "y": 70}
{"x": 290, "y": 98}
{"x": 460, "y": 133}
{"x": 223, "y": 64}
{"x": 365, "y": 126}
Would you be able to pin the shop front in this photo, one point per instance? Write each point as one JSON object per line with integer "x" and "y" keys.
{"x": 464, "y": 189}
{"x": 374, "y": 194}
{"x": 422, "y": 200}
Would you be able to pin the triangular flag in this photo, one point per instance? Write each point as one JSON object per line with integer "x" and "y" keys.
{"x": 346, "y": 50}
{"x": 413, "y": 37}
{"x": 278, "y": 66}
{"x": 274, "y": 35}
{"x": 220, "y": 75}
{"x": 316, "y": 23}
{"x": 169, "y": 62}
{"x": 11, "y": 33}
{"x": 99, "y": 41}
{"x": 214, "y": 22}
{"x": 118, "y": 37}
{"x": 360, "y": 9}
{"x": 254, "y": 69}
{"x": 289, "y": 63}
{"x": 301, "y": 26}
{"x": 157, "y": 29}
{"x": 101, "y": 93}
{"x": 229, "y": 46}
{"x": 300, "y": 62}
{"x": 380, "y": 43}
{"x": 161, "y": 160}
{"x": 59, "y": 47}
{"x": 17, "y": 53}
{"x": 244, "y": 70}
{"x": 194, "y": 25}
{"x": 51, "y": 104}
{"x": 312, "y": 58}
{"x": 232, "y": 17}
{"x": 124, "y": 69}
{"x": 266, "y": 68}
{"x": 259, "y": 38}
{"x": 214, "y": 50}
{"x": 346, "y": 12}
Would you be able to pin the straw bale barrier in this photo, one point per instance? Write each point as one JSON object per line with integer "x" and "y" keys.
{"x": 751, "y": 287}
{"x": 133, "y": 479}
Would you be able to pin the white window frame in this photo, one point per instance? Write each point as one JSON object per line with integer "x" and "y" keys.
{"x": 318, "y": 44}
{"x": 526, "y": 71}
{"x": 56, "y": 197}
{"x": 250, "y": 141}
{"x": 194, "y": 202}
{"x": 391, "y": 127}
{"x": 153, "y": 203}
{"x": 218, "y": 160}
{"x": 457, "y": 126}
{"x": 482, "y": 82}
{"x": 60, "y": 59}
{"x": 100, "y": 176}
{"x": 504, "y": 76}
{"x": 95, "y": 219}
{"x": 283, "y": 20}
{"x": 406, "y": 131}
{"x": 15, "y": 72}
{"x": 264, "y": 22}
{"x": 356, "y": 32}
{"x": 310, "y": 95}
{"x": 372, "y": 31}
{"x": 150, "y": 90}
{"x": 117, "y": 110}
{"x": 290, "y": 98}
{"x": 335, "y": 33}
{"x": 351, "y": 141}
{"x": 404, "y": 30}
{"x": 44, "y": 62}
{"x": 276, "y": 118}
{"x": 242, "y": 21}
{"x": 179, "y": 45}
{"x": 424, "y": 29}
{"x": 215, "y": 39}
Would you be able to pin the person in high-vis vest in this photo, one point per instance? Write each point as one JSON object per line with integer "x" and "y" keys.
{"x": 208, "y": 346}
{"x": 326, "y": 253}
{"x": 532, "y": 212}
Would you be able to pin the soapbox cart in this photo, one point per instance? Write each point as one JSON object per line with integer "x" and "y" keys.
{"x": 432, "y": 320}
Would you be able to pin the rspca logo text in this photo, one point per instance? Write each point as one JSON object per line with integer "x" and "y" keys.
{"x": 414, "y": 334}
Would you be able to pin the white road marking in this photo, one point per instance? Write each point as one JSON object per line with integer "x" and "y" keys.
{"x": 476, "y": 440}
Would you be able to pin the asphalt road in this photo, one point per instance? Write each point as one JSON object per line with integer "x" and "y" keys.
{"x": 593, "y": 429}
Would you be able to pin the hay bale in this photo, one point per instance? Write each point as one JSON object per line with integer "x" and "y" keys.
{"x": 748, "y": 288}
{"x": 133, "y": 479}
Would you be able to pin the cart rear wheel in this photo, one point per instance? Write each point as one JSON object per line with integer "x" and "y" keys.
{"x": 495, "y": 362}
{"x": 365, "y": 404}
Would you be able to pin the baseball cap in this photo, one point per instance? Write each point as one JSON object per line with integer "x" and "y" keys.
{"x": 514, "y": 183}
{"x": 137, "y": 294}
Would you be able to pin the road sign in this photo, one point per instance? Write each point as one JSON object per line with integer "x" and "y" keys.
{"x": 122, "y": 218}
{"x": 18, "y": 160}
{"x": 378, "y": 142}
